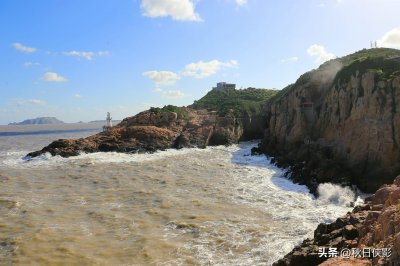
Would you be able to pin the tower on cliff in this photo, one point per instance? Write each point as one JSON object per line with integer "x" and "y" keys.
{"x": 108, "y": 125}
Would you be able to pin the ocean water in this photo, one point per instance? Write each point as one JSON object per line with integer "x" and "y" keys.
{"x": 213, "y": 206}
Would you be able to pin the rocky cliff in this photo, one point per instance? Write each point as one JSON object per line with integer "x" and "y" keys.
{"x": 156, "y": 130}
{"x": 369, "y": 235}
{"x": 340, "y": 123}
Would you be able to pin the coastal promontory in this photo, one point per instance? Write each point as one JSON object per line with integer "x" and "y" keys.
{"x": 222, "y": 117}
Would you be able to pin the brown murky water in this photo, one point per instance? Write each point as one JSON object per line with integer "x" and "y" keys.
{"x": 216, "y": 206}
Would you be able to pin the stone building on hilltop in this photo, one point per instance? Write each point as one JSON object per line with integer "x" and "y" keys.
{"x": 223, "y": 86}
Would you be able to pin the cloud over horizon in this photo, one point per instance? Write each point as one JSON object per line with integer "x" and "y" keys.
{"x": 320, "y": 53}
{"x": 182, "y": 10}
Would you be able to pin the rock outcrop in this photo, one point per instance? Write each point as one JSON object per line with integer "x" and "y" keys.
{"x": 372, "y": 229}
{"x": 149, "y": 131}
{"x": 339, "y": 123}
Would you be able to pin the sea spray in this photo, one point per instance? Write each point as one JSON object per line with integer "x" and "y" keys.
{"x": 336, "y": 194}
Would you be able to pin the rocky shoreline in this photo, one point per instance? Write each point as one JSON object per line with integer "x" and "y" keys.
{"x": 371, "y": 231}
{"x": 313, "y": 170}
{"x": 149, "y": 132}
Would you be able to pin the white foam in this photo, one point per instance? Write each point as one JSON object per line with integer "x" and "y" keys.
{"x": 336, "y": 194}
{"x": 18, "y": 159}
{"x": 294, "y": 212}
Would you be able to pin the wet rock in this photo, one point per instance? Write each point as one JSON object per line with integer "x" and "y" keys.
{"x": 350, "y": 232}
{"x": 375, "y": 227}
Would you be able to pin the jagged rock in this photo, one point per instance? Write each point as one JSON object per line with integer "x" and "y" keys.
{"x": 350, "y": 232}
{"x": 149, "y": 132}
{"x": 362, "y": 228}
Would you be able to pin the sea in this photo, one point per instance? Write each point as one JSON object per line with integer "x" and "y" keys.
{"x": 213, "y": 206}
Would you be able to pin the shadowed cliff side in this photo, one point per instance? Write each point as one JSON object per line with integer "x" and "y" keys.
{"x": 339, "y": 123}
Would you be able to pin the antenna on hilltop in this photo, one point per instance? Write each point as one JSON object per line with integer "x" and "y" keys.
{"x": 374, "y": 44}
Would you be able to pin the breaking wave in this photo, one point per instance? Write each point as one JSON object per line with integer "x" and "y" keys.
{"x": 336, "y": 194}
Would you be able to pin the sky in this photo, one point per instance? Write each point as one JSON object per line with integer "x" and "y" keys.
{"x": 77, "y": 60}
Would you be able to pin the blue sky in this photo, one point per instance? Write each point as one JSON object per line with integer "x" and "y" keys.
{"x": 77, "y": 59}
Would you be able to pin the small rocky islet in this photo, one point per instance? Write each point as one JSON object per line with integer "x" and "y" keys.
{"x": 339, "y": 123}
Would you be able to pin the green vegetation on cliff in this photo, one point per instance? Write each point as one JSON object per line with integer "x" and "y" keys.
{"x": 169, "y": 108}
{"x": 243, "y": 102}
{"x": 384, "y": 62}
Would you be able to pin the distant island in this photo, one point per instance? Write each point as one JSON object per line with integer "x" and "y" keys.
{"x": 39, "y": 121}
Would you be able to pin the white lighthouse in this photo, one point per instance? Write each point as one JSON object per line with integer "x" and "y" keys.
{"x": 108, "y": 125}
{"x": 109, "y": 120}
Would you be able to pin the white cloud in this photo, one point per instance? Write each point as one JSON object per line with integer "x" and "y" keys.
{"x": 162, "y": 77}
{"x": 53, "y": 77}
{"x": 77, "y": 96}
{"x": 103, "y": 53}
{"x": 319, "y": 52}
{"x": 173, "y": 94}
{"x": 241, "y": 2}
{"x": 391, "y": 39}
{"x": 176, "y": 9}
{"x": 290, "y": 59}
{"x": 22, "y": 48}
{"x": 31, "y": 102}
{"x": 203, "y": 69}
{"x": 31, "y": 64}
{"x": 170, "y": 94}
{"x": 86, "y": 55}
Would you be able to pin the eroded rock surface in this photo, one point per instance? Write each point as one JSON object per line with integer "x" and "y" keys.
{"x": 373, "y": 225}
{"x": 329, "y": 127}
{"x": 148, "y": 132}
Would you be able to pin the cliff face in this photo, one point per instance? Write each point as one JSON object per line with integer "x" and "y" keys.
{"x": 149, "y": 131}
{"x": 339, "y": 123}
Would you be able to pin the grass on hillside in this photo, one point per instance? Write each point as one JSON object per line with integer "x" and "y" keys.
{"x": 243, "y": 102}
